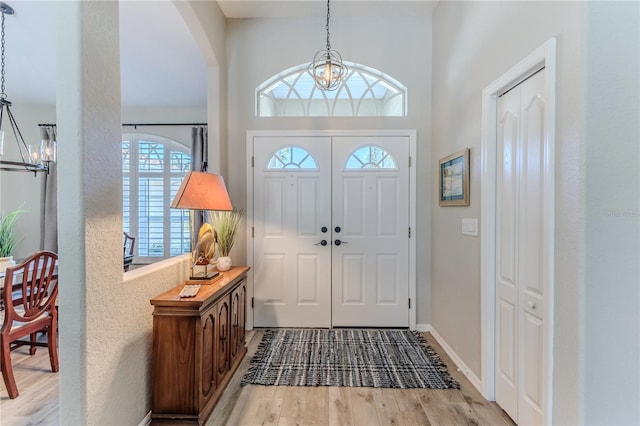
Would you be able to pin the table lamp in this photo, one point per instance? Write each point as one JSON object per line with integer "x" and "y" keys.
{"x": 201, "y": 191}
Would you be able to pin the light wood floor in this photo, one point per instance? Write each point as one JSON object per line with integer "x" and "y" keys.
{"x": 299, "y": 405}
{"x": 37, "y": 403}
{"x": 277, "y": 405}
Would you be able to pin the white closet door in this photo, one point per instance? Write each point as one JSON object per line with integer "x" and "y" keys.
{"x": 520, "y": 269}
{"x": 507, "y": 252}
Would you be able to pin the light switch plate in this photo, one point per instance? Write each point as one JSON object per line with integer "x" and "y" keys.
{"x": 470, "y": 227}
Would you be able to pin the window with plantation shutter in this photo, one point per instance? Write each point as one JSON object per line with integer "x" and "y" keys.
{"x": 152, "y": 170}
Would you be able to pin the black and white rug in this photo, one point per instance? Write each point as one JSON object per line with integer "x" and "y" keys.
{"x": 347, "y": 357}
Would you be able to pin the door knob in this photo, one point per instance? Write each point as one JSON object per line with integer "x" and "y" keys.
{"x": 338, "y": 229}
{"x": 338, "y": 242}
{"x": 324, "y": 229}
{"x": 321, "y": 243}
{"x": 531, "y": 305}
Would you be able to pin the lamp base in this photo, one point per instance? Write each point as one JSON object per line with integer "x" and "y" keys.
{"x": 205, "y": 279}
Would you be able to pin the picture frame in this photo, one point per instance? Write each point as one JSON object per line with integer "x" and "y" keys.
{"x": 454, "y": 179}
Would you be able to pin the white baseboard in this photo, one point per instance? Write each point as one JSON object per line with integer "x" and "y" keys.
{"x": 423, "y": 328}
{"x": 462, "y": 367}
{"x": 146, "y": 421}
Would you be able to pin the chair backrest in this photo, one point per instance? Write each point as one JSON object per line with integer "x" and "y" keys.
{"x": 32, "y": 287}
{"x": 128, "y": 242}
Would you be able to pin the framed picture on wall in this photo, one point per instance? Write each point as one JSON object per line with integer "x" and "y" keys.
{"x": 454, "y": 179}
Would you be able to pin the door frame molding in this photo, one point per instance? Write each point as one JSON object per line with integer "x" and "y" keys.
{"x": 543, "y": 57}
{"x": 410, "y": 133}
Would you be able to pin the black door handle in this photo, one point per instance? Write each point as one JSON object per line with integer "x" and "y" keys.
{"x": 338, "y": 242}
{"x": 321, "y": 243}
{"x": 324, "y": 229}
{"x": 338, "y": 229}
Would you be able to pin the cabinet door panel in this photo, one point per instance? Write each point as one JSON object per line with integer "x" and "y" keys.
{"x": 208, "y": 355}
{"x": 235, "y": 318}
{"x": 223, "y": 338}
{"x": 242, "y": 313}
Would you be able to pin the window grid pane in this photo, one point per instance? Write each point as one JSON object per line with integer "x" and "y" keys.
{"x": 151, "y": 216}
{"x": 291, "y": 157}
{"x": 365, "y": 92}
{"x": 150, "y": 157}
{"x": 370, "y": 157}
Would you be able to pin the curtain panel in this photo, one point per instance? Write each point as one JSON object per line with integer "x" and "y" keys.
{"x": 49, "y": 210}
{"x": 199, "y": 156}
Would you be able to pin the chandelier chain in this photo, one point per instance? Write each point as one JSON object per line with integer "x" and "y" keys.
{"x": 328, "y": 42}
{"x": 3, "y": 95}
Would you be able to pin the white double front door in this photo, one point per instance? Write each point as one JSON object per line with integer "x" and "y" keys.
{"x": 331, "y": 231}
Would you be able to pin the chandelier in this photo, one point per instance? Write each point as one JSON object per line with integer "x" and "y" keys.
{"x": 35, "y": 158}
{"x": 327, "y": 68}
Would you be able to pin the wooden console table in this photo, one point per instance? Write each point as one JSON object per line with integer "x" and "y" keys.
{"x": 198, "y": 344}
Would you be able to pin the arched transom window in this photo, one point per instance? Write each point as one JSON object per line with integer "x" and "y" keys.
{"x": 370, "y": 157}
{"x": 365, "y": 92}
{"x": 291, "y": 157}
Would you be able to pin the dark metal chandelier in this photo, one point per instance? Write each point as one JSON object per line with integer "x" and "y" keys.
{"x": 327, "y": 68}
{"x": 35, "y": 158}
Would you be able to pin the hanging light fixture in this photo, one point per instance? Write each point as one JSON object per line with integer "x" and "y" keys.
{"x": 327, "y": 68}
{"x": 35, "y": 158}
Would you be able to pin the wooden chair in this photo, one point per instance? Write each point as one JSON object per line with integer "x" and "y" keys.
{"x": 128, "y": 242}
{"x": 30, "y": 294}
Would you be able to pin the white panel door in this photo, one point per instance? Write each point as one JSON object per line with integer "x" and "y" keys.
{"x": 507, "y": 253}
{"x": 292, "y": 190}
{"x": 520, "y": 269}
{"x": 531, "y": 298}
{"x": 370, "y": 253}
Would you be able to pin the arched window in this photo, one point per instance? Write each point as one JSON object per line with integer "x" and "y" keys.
{"x": 291, "y": 157}
{"x": 365, "y": 92}
{"x": 370, "y": 157}
{"x": 152, "y": 170}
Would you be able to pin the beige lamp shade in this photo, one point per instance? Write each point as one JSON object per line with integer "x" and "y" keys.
{"x": 202, "y": 191}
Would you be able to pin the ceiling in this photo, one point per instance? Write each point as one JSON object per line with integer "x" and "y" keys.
{"x": 151, "y": 32}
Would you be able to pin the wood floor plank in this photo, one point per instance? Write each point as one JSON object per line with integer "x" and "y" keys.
{"x": 411, "y": 410}
{"x": 294, "y": 401}
{"x": 272, "y": 411}
{"x": 291, "y": 421}
{"x": 316, "y": 405}
{"x": 340, "y": 412}
{"x": 387, "y": 407}
{"x": 363, "y": 406}
{"x": 258, "y": 411}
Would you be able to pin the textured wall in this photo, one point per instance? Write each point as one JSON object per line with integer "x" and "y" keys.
{"x": 474, "y": 44}
{"x": 612, "y": 288}
{"x": 105, "y": 321}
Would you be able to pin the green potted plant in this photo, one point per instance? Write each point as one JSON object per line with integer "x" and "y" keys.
{"x": 225, "y": 224}
{"x": 8, "y": 238}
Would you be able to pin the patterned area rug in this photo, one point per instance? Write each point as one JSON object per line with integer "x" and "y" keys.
{"x": 347, "y": 357}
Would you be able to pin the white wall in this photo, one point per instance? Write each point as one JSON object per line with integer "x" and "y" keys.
{"x": 18, "y": 189}
{"x": 476, "y": 42}
{"x": 612, "y": 210}
{"x": 398, "y": 46}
